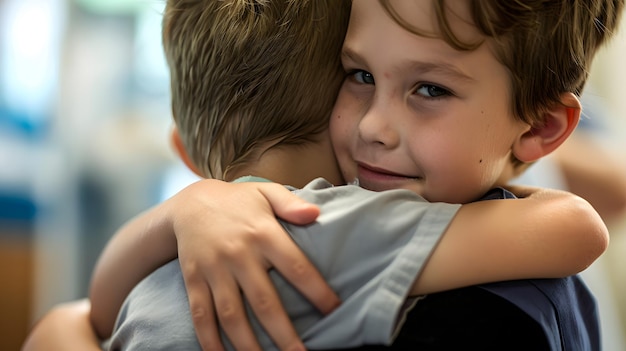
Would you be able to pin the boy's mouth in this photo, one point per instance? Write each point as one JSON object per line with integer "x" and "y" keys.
{"x": 379, "y": 179}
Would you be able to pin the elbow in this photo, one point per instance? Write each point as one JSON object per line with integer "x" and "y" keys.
{"x": 590, "y": 239}
{"x": 597, "y": 239}
{"x": 596, "y": 244}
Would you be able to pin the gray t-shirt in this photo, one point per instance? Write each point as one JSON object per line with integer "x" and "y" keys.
{"x": 369, "y": 246}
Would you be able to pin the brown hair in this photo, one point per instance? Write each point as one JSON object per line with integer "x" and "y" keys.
{"x": 246, "y": 74}
{"x": 546, "y": 45}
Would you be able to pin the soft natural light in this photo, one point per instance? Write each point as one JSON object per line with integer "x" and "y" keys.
{"x": 31, "y": 31}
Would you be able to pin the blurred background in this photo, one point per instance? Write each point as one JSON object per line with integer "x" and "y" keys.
{"x": 84, "y": 123}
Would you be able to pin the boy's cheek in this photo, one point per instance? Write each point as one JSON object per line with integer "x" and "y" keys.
{"x": 347, "y": 166}
{"x": 340, "y": 134}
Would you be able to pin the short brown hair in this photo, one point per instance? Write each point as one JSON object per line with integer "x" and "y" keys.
{"x": 546, "y": 45}
{"x": 248, "y": 73}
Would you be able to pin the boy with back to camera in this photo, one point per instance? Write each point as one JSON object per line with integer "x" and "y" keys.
{"x": 564, "y": 119}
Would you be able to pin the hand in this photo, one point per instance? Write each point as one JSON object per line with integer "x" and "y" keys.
{"x": 228, "y": 238}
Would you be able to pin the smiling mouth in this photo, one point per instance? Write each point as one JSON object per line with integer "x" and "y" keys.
{"x": 380, "y": 172}
{"x": 378, "y": 179}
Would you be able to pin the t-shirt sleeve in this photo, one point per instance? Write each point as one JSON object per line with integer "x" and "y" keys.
{"x": 370, "y": 247}
{"x": 155, "y": 315}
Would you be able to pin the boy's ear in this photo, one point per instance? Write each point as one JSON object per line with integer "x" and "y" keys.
{"x": 560, "y": 121}
{"x": 179, "y": 147}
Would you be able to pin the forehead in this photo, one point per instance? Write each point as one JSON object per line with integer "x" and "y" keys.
{"x": 426, "y": 17}
{"x": 408, "y": 30}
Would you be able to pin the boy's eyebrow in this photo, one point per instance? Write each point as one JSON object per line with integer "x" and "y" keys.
{"x": 349, "y": 54}
{"x": 443, "y": 68}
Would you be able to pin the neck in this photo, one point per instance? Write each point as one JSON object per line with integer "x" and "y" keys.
{"x": 296, "y": 165}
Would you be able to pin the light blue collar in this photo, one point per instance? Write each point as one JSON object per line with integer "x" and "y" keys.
{"x": 246, "y": 179}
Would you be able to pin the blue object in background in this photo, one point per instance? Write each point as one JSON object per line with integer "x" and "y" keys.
{"x": 17, "y": 208}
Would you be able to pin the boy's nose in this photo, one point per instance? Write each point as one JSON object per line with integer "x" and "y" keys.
{"x": 378, "y": 128}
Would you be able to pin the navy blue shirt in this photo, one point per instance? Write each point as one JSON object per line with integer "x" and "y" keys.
{"x": 534, "y": 314}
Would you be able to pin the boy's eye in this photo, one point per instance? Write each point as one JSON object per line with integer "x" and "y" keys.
{"x": 363, "y": 77}
{"x": 431, "y": 91}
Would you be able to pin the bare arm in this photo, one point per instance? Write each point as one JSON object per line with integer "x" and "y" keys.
{"x": 66, "y": 327}
{"x": 215, "y": 270}
{"x": 549, "y": 234}
{"x": 128, "y": 257}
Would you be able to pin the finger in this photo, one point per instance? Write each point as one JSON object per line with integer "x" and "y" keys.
{"x": 288, "y": 206}
{"x": 287, "y": 258}
{"x": 266, "y": 304}
{"x": 231, "y": 313}
{"x": 202, "y": 313}
{"x": 299, "y": 271}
